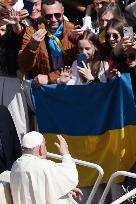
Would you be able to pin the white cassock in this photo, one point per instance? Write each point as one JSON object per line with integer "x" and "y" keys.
{"x": 39, "y": 181}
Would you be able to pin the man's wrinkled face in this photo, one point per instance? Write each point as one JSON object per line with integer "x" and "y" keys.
{"x": 53, "y": 15}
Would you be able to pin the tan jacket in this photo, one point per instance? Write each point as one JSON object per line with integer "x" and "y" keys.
{"x": 37, "y": 62}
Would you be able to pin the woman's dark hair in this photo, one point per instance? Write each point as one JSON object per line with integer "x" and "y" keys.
{"x": 93, "y": 39}
{"x": 114, "y": 9}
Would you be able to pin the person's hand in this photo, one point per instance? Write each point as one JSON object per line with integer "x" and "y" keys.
{"x": 39, "y": 80}
{"x": 128, "y": 42}
{"x": 23, "y": 14}
{"x": 76, "y": 192}
{"x": 113, "y": 73}
{"x": 77, "y": 31}
{"x": 85, "y": 72}
{"x": 13, "y": 17}
{"x": 62, "y": 145}
{"x": 65, "y": 75}
{"x": 90, "y": 10}
{"x": 36, "y": 38}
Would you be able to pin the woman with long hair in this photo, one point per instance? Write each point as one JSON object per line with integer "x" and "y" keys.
{"x": 114, "y": 38}
{"x": 92, "y": 69}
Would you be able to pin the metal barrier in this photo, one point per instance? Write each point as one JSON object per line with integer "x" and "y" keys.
{"x": 87, "y": 164}
{"x": 125, "y": 197}
{"x": 113, "y": 176}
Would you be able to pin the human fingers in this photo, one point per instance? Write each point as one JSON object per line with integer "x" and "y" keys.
{"x": 39, "y": 32}
{"x": 57, "y": 145}
{"x": 23, "y": 12}
{"x": 73, "y": 194}
{"x": 84, "y": 65}
{"x": 81, "y": 70}
{"x": 68, "y": 69}
{"x": 63, "y": 147}
{"x": 61, "y": 138}
{"x": 77, "y": 27}
{"x": 39, "y": 35}
{"x": 78, "y": 192}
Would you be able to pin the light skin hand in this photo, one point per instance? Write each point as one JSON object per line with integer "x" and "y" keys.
{"x": 62, "y": 145}
{"x": 39, "y": 80}
{"x": 76, "y": 192}
{"x": 77, "y": 31}
{"x": 113, "y": 73}
{"x": 36, "y": 38}
{"x": 23, "y": 14}
{"x": 14, "y": 20}
{"x": 65, "y": 75}
{"x": 13, "y": 17}
{"x": 85, "y": 72}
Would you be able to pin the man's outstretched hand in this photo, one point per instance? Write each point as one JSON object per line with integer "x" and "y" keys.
{"x": 62, "y": 145}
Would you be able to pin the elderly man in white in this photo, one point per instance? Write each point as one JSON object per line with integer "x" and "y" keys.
{"x": 36, "y": 180}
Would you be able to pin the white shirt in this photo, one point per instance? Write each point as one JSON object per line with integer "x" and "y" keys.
{"x": 75, "y": 78}
{"x": 39, "y": 181}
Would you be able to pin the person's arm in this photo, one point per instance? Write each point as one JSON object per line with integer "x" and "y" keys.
{"x": 28, "y": 54}
{"x": 14, "y": 21}
{"x": 87, "y": 20}
{"x": 64, "y": 175}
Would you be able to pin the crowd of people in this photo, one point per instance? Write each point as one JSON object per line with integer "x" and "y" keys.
{"x": 62, "y": 42}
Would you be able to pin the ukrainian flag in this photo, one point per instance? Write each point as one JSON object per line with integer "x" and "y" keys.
{"x": 97, "y": 120}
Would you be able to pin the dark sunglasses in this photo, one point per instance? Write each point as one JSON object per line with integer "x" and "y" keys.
{"x": 56, "y": 15}
{"x": 114, "y": 35}
{"x": 131, "y": 56}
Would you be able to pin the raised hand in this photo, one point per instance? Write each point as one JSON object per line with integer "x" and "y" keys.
{"x": 76, "y": 192}
{"x": 113, "y": 73}
{"x": 36, "y": 38}
{"x": 13, "y": 17}
{"x": 77, "y": 31}
{"x": 65, "y": 75}
{"x": 62, "y": 145}
{"x": 23, "y": 14}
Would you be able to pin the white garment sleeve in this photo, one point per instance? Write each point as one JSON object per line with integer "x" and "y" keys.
{"x": 87, "y": 23}
{"x": 64, "y": 176}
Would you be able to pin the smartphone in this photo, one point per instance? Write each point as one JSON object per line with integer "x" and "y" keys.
{"x": 128, "y": 31}
{"x": 28, "y": 5}
{"x": 81, "y": 57}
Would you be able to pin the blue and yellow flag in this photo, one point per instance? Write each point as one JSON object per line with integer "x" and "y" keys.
{"x": 97, "y": 120}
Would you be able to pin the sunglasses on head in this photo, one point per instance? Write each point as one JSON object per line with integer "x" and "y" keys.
{"x": 56, "y": 15}
{"x": 114, "y": 35}
{"x": 131, "y": 56}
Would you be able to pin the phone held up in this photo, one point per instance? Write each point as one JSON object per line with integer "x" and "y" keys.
{"x": 28, "y": 5}
{"x": 128, "y": 32}
{"x": 81, "y": 57}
